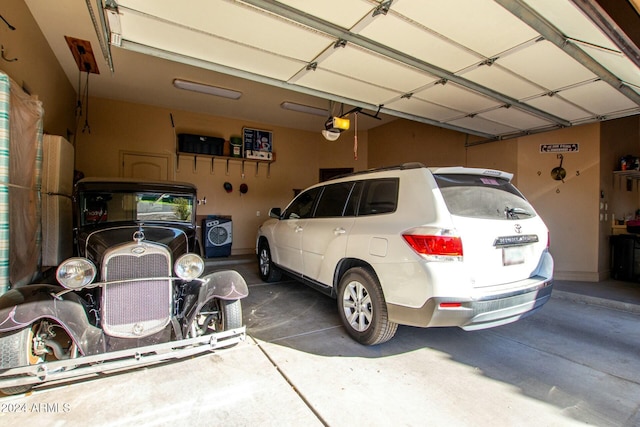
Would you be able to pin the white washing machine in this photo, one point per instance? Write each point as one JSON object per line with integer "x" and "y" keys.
{"x": 217, "y": 235}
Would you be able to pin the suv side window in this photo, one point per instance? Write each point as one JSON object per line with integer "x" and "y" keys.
{"x": 379, "y": 196}
{"x": 333, "y": 199}
{"x": 302, "y": 206}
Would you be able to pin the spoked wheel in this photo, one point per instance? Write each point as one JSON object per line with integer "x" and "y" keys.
{"x": 362, "y": 308}
{"x": 216, "y": 316}
{"x": 31, "y": 346}
{"x": 268, "y": 271}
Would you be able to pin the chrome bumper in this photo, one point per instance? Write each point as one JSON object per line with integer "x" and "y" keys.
{"x": 118, "y": 360}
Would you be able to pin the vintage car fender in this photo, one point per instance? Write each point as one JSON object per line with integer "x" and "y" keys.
{"x": 225, "y": 285}
{"x": 20, "y": 307}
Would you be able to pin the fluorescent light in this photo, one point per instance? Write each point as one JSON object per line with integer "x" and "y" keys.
{"x": 304, "y": 109}
{"x": 210, "y": 90}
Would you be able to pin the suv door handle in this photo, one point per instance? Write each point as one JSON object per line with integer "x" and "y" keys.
{"x": 339, "y": 230}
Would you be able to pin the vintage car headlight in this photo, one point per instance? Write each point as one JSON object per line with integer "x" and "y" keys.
{"x": 75, "y": 273}
{"x": 189, "y": 266}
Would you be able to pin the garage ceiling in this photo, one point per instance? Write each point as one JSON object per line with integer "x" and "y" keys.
{"x": 492, "y": 68}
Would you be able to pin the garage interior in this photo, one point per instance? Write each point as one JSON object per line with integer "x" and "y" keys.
{"x": 517, "y": 85}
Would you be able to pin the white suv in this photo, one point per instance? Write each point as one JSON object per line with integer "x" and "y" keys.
{"x": 414, "y": 246}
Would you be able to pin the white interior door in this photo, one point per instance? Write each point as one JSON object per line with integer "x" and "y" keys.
{"x": 146, "y": 166}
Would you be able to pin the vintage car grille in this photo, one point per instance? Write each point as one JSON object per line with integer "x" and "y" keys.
{"x": 140, "y": 308}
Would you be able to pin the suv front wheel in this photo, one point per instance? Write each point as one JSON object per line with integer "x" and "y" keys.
{"x": 362, "y": 308}
{"x": 268, "y": 271}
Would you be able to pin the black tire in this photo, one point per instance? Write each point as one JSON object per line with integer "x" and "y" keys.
{"x": 231, "y": 314}
{"x": 16, "y": 350}
{"x": 362, "y": 308}
{"x": 268, "y": 271}
{"x": 217, "y": 315}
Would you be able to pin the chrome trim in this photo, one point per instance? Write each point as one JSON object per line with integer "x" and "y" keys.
{"x": 119, "y": 360}
{"x": 86, "y": 246}
{"x": 111, "y": 282}
{"x": 518, "y": 240}
{"x": 154, "y": 297}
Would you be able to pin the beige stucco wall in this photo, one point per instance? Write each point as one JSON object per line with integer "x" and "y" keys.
{"x": 403, "y": 141}
{"x": 570, "y": 209}
{"x": 118, "y": 127}
{"x": 36, "y": 68}
{"x": 500, "y": 155}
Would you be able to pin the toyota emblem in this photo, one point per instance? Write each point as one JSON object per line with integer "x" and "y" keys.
{"x": 518, "y": 228}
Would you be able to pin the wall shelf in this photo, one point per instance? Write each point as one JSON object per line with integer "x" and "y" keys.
{"x": 226, "y": 159}
{"x": 630, "y": 175}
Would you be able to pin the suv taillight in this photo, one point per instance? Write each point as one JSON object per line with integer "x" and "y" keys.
{"x": 436, "y": 247}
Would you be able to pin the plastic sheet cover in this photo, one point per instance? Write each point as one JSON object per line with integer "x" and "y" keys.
{"x": 25, "y": 166}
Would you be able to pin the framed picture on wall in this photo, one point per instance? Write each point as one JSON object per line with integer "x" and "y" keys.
{"x": 258, "y": 144}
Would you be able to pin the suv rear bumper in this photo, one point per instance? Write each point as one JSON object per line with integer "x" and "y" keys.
{"x": 473, "y": 314}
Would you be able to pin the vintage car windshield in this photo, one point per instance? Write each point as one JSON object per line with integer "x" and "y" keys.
{"x": 97, "y": 207}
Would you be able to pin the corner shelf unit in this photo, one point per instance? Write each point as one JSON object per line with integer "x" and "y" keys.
{"x": 630, "y": 175}
{"x": 227, "y": 159}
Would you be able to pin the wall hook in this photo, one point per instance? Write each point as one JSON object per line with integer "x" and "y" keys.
{"x": 11, "y": 27}
{"x": 5, "y": 57}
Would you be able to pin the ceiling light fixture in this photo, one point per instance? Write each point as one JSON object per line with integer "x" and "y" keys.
{"x": 330, "y": 135}
{"x": 209, "y": 90}
{"x": 304, "y": 109}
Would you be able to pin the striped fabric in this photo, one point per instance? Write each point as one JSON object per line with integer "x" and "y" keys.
{"x": 4, "y": 180}
{"x": 21, "y": 142}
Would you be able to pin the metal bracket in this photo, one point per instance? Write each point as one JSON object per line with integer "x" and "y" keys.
{"x": 5, "y": 57}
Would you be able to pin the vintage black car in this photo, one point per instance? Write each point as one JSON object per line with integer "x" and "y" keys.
{"x": 134, "y": 294}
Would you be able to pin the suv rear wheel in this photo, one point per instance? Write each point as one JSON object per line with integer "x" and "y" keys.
{"x": 268, "y": 271}
{"x": 362, "y": 308}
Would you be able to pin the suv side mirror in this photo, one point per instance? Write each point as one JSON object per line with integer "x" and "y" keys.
{"x": 275, "y": 213}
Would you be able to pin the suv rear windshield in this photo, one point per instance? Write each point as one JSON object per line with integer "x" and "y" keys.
{"x": 481, "y": 196}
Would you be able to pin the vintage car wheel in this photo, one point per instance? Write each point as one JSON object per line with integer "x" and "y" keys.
{"x": 216, "y": 316}
{"x": 35, "y": 345}
{"x": 268, "y": 271}
{"x": 231, "y": 314}
{"x": 16, "y": 349}
{"x": 362, "y": 308}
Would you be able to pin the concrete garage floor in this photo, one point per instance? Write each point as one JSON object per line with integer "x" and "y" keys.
{"x": 298, "y": 367}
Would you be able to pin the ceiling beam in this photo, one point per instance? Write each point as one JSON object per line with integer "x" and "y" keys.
{"x": 608, "y": 26}
{"x": 211, "y": 66}
{"x": 338, "y": 32}
{"x": 527, "y": 15}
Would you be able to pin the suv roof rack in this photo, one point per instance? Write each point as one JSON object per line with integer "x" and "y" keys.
{"x": 410, "y": 165}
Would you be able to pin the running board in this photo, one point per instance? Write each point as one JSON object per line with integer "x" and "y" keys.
{"x": 118, "y": 360}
